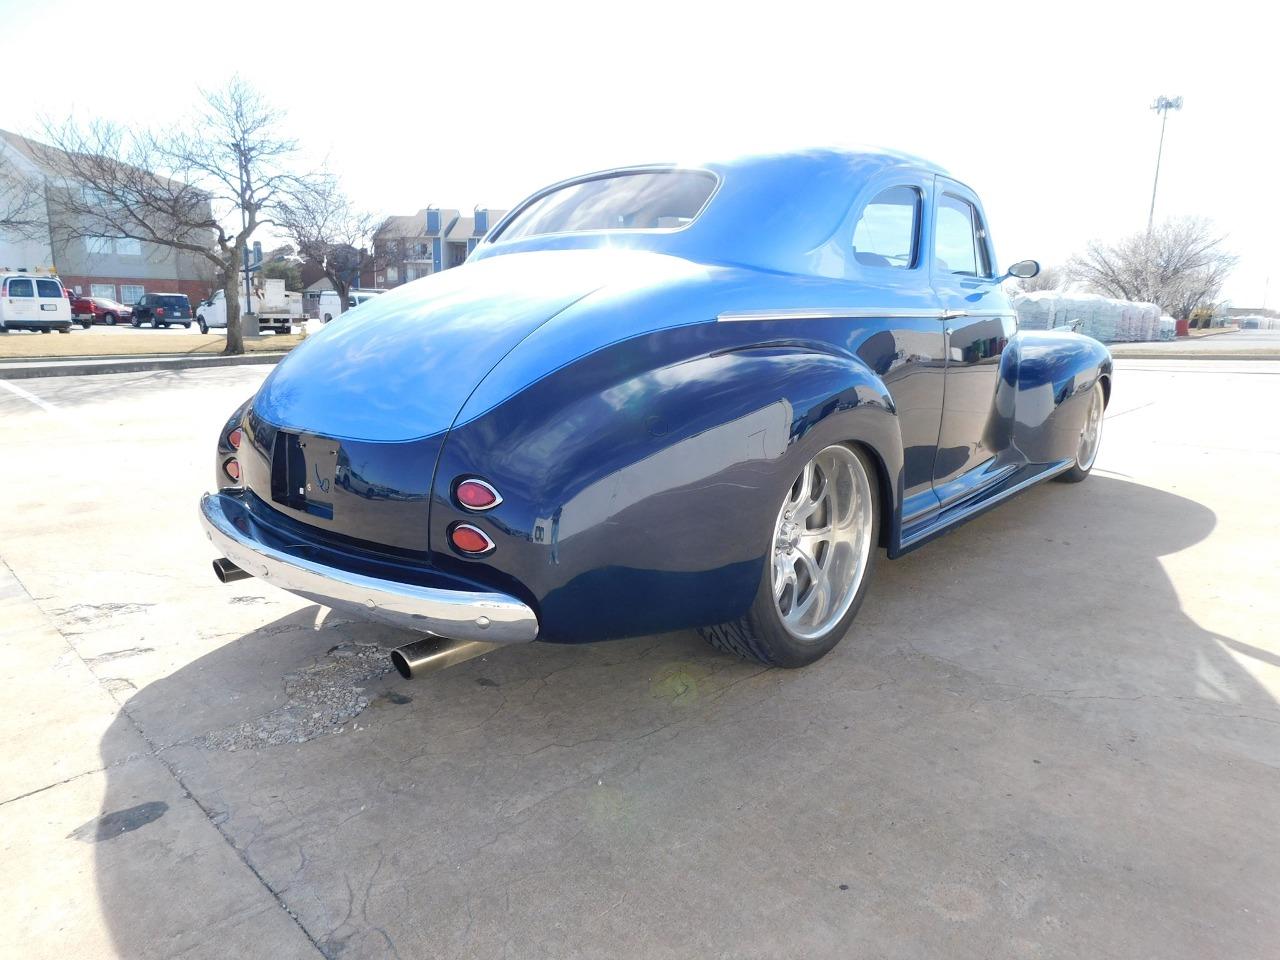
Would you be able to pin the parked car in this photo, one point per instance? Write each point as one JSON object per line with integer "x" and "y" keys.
{"x": 660, "y": 398}
{"x": 87, "y": 311}
{"x": 162, "y": 309}
{"x": 329, "y": 302}
{"x": 33, "y": 302}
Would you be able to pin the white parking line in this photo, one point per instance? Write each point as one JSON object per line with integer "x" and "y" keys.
{"x": 27, "y": 395}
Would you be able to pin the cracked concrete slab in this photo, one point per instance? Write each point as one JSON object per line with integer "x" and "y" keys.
{"x": 57, "y": 721}
{"x": 180, "y": 890}
{"x": 1051, "y": 733}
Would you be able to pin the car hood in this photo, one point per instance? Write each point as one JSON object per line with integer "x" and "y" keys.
{"x": 400, "y": 366}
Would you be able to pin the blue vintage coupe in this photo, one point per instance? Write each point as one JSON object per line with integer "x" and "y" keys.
{"x": 659, "y": 398}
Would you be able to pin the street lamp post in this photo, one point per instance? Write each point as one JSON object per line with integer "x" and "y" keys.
{"x": 1162, "y": 106}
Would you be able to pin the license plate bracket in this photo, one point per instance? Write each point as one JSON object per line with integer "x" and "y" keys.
{"x": 302, "y": 472}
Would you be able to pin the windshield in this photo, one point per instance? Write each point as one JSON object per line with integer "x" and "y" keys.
{"x": 643, "y": 200}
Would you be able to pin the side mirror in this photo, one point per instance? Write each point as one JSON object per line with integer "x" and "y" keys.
{"x": 1023, "y": 270}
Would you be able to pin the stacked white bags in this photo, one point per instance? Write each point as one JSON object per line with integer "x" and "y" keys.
{"x": 1100, "y": 317}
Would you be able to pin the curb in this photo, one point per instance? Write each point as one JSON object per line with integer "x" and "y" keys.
{"x": 25, "y": 370}
{"x": 1188, "y": 355}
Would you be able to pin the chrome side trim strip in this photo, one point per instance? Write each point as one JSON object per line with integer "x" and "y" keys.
{"x": 825, "y": 313}
{"x": 455, "y": 614}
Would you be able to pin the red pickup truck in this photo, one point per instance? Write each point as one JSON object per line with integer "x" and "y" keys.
{"x": 87, "y": 311}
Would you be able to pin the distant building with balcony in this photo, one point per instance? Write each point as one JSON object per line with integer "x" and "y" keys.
{"x": 426, "y": 242}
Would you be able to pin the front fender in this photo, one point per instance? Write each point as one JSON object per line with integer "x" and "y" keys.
{"x": 1042, "y": 398}
{"x": 640, "y": 483}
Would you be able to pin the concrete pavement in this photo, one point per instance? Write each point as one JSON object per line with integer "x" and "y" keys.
{"x": 1050, "y": 734}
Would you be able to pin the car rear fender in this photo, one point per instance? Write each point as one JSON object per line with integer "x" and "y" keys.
{"x": 639, "y": 482}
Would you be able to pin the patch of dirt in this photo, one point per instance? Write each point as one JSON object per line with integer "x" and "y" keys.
{"x": 320, "y": 699}
{"x": 83, "y": 613}
{"x": 119, "y": 655}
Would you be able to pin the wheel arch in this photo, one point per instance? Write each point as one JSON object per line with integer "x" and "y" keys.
{"x": 885, "y": 498}
{"x": 636, "y": 511}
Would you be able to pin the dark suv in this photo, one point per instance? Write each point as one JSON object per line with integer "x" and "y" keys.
{"x": 162, "y": 309}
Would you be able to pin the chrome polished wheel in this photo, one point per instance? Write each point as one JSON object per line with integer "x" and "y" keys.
{"x": 821, "y": 543}
{"x": 1091, "y": 432}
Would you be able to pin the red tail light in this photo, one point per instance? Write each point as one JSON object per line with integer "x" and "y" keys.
{"x": 476, "y": 495}
{"x": 470, "y": 540}
{"x": 159, "y": 311}
{"x": 234, "y": 438}
{"x": 232, "y": 469}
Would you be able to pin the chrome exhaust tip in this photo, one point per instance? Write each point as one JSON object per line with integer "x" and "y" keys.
{"x": 228, "y": 572}
{"x": 435, "y": 653}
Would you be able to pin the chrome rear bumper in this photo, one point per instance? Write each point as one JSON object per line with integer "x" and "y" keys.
{"x": 456, "y": 614}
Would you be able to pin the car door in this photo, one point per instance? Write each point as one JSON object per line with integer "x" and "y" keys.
{"x": 890, "y": 243}
{"x": 20, "y": 295}
{"x": 53, "y": 301}
{"x": 978, "y": 323}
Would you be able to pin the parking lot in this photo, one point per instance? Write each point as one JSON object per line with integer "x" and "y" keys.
{"x": 1052, "y": 733}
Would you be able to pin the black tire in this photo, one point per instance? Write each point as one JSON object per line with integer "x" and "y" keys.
{"x": 66, "y": 329}
{"x": 1082, "y": 468}
{"x": 135, "y": 322}
{"x": 109, "y": 319}
{"x": 187, "y": 325}
{"x": 86, "y": 324}
{"x": 45, "y": 330}
{"x": 204, "y": 327}
{"x": 327, "y": 318}
{"x": 761, "y": 636}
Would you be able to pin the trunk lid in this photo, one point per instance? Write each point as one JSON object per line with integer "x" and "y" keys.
{"x": 400, "y": 366}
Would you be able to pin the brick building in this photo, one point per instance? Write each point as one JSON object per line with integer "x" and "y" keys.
{"x": 95, "y": 266}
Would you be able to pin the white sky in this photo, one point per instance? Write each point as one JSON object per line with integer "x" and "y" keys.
{"x": 1040, "y": 106}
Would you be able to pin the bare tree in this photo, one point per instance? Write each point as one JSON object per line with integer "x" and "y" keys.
{"x": 22, "y": 204}
{"x": 1179, "y": 265}
{"x": 203, "y": 186}
{"x": 331, "y": 233}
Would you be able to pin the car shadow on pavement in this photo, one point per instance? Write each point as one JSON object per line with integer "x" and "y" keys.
{"x": 1024, "y": 748}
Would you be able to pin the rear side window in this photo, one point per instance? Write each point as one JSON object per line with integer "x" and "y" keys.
{"x": 20, "y": 287}
{"x": 644, "y": 200}
{"x": 958, "y": 246}
{"x": 887, "y": 229}
{"x": 49, "y": 288}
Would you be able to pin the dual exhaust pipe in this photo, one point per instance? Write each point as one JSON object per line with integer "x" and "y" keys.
{"x": 413, "y": 659}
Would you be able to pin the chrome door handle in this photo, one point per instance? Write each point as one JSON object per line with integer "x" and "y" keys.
{"x": 953, "y": 314}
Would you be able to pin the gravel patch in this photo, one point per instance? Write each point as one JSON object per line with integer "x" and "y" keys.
{"x": 321, "y": 698}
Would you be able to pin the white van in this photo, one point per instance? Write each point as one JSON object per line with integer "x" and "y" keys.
{"x": 329, "y": 302}
{"x": 32, "y": 302}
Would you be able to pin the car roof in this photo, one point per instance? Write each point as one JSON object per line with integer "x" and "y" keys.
{"x": 774, "y": 210}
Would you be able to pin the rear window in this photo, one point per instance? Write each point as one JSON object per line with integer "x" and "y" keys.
{"x": 885, "y": 234}
{"x": 49, "y": 288}
{"x": 644, "y": 200}
{"x": 19, "y": 287}
{"x": 171, "y": 301}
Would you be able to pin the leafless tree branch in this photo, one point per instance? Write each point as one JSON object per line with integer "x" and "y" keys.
{"x": 328, "y": 231}
{"x": 203, "y": 186}
{"x": 1181, "y": 265}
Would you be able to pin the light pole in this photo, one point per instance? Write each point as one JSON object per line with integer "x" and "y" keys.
{"x": 1162, "y": 106}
